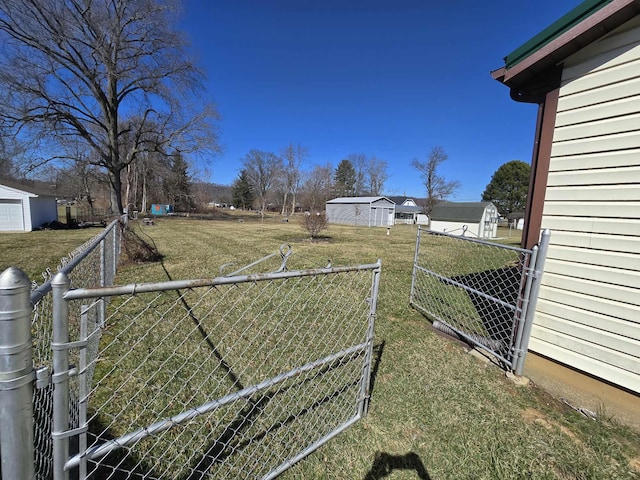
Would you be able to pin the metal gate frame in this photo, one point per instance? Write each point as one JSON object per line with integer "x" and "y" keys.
{"x": 66, "y": 428}
{"x": 524, "y": 297}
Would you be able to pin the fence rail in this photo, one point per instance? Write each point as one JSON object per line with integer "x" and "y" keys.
{"x": 231, "y": 377}
{"x": 237, "y": 376}
{"x": 479, "y": 291}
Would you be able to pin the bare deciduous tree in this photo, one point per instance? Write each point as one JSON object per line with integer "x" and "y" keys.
{"x": 377, "y": 175}
{"x": 292, "y": 157}
{"x": 437, "y": 187}
{"x": 262, "y": 170}
{"x": 318, "y": 187}
{"x": 360, "y": 165}
{"x": 98, "y": 71}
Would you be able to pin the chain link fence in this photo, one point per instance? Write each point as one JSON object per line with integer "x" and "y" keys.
{"x": 481, "y": 292}
{"x": 93, "y": 264}
{"x": 239, "y": 376}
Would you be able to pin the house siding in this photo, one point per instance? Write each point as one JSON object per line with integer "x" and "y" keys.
{"x": 588, "y": 314}
{"x": 35, "y": 210}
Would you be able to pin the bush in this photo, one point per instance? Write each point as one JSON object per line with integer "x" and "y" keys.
{"x": 314, "y": 223}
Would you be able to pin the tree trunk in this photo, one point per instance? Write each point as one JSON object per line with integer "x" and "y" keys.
{"x": 115, "y": 184}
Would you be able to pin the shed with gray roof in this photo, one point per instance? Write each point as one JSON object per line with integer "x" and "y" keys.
{"x": 474, "y": 219}
{"x": 363, "y": 211}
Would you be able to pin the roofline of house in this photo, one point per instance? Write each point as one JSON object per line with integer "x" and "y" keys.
{"x": 354, "y": 200}
{"x": 532, "y": 70}
{"x": 553, "y": 31}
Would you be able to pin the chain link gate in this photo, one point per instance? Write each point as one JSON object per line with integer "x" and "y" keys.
{"x": 238, "y": 376}
{"x": 481, "y": 292}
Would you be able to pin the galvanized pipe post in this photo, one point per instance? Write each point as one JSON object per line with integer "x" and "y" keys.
{"x": 59, "y": 285}
{"x": 415, "y": 262}
{"x": 365, "y": 385}
{"x": 16, "y": 376}
{"x": 538, "y": 270}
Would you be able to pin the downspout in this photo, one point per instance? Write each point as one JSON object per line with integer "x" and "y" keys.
{"x": 540, "y": 161}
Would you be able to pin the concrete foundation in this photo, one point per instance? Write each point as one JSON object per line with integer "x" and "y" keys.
{"x": 583, "y": 391}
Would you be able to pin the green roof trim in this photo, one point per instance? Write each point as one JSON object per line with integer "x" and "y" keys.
{"x": 553, "y": 31}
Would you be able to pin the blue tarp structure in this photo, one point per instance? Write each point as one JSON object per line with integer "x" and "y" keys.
{"x": 159, "y": 209}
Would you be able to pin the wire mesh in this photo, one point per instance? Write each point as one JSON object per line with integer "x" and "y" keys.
{"x": 90, "y": 265}
{"x": 473, "y": 287}
{"x": 228, "y": 380}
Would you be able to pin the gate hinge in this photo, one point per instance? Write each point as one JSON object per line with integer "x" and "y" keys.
{"x": 532, "y": 272}
{"x": 43, "y": 377}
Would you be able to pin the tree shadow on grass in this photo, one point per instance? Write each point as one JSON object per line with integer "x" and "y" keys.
{"x": 385, "y": 464}
{"x": 237, "y": 435}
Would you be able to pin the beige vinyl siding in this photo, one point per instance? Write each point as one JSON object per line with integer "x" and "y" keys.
{"x": 588, "y": 314}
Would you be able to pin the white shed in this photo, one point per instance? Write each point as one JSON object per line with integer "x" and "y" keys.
{"x": 22, "y": 210}
{"x": 363, "y": 211}
{"x": 472, "y": 219}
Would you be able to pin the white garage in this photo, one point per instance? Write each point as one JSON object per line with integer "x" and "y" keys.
{"x": 22, "y": 210}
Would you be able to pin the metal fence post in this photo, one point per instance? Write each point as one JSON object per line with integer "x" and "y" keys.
{"x": 16, "y": 376}
{"x": 415, "y": 262}
{"x": 59, "y": 285}
{"x": 365, "y": 390}
{"x": 538, "y": 269}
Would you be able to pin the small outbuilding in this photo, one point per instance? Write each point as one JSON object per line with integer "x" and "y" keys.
{"x": 24, "y": 208}
{"x": 363, "y": 211}
{"x": 472, "y": 219}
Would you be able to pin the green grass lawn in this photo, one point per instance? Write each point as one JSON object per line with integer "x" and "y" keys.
{"x": 36, "y": 251}
{"x": 435, "y": 412}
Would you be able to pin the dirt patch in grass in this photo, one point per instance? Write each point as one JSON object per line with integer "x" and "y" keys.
{"x": 531, "y": 415}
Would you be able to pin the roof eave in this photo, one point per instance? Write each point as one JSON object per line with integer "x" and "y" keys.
{"x": 539, "y": 73}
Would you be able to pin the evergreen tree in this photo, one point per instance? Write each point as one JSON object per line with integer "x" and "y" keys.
{"x": 508, "y": 188}
{"x": 242, "y": 191}
{"x": 178, "y": 185}
{"x": 345, "y": 179}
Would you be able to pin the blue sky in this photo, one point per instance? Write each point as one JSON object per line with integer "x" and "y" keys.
{"x": 387, "y": 78}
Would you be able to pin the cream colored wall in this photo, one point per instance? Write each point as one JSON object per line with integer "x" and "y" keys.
{"x": 588, "y": 314}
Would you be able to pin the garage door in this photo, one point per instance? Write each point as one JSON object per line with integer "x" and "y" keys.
{"x": 11, "y": 215}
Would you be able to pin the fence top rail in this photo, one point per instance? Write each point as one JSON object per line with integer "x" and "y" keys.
{"x": 475, "y": 240}
{"x": 42, "y": 290}
{"x": 133, "y": 288}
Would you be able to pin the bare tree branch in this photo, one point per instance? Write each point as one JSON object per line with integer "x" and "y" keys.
{"x": 113, "y": 74}
{"x": 437, "y": 187}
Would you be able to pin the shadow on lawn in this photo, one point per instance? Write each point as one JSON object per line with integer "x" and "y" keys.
{"x": 503, "y": 286}
{"x": 384, "y": 465}
{"x": 378, "y": 350}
